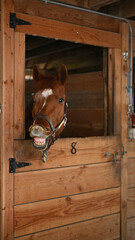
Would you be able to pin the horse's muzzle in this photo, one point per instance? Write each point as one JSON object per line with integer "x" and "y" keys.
{"x": 39, "y": 136}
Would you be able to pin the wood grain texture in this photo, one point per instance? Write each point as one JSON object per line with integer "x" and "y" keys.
{"x": 34, "y": 217}
{"x": 7, "y": 74}
{"x": 85, "y": 81}
{"x": 89, "y": 150}
{"x": 124, "y": 132}
{"x": 117, "y": 92}
{"x": 0, "y": 125}
{"x": 66, "y": 181}
{"x": 105, "y": 94}
{"x": 110, "y": 109}
{"x": 131, "y": 172}
{"x": 108, "y": 229}
{"x": 131, "y": 203}
{"x": 131, "y": 149}
{"x": 39, "y": 9}
{"x": 69, "y": 32}
{"x": 131, "y": 228}
{"x": 19, "y": 87}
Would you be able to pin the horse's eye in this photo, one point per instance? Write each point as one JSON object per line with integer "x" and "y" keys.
{"x": 61, "y": 100}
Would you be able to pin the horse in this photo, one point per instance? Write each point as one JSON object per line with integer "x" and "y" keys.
{"x": 49, "y": 108}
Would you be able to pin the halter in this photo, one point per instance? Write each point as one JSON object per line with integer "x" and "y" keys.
{"x": 52, "y": 137}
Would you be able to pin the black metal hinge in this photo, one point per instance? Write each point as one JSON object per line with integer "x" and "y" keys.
{"x": 17, "y": 21}
{"x": 13, "y": 165}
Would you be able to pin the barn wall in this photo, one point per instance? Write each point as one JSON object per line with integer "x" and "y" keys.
{"x": 104, "y": 213}
{"x": 131, "y": 182}
{"x": 0, "y": 132}
{"x": 131, "y": 191}
{"x": 59, "y": 13}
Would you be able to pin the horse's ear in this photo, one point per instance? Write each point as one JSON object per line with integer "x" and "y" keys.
{"x": 63, "y": 74}
{"x": 36, "y": 74}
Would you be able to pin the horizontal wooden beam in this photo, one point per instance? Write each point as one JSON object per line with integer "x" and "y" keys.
{"x": 93, "y": 149}
{"x": 39, "y": 216}
{"x": 69, "y": 32}
{"x": 39, "y": 9}
{"x": 108, "y": 228}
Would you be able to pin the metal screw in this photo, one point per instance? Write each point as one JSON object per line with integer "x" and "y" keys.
{"x": 125, "y": 55}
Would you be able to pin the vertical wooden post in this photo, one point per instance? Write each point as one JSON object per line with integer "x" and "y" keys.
{"x": 7, "y": 69}
{"x": 19, "y": 92}
{"x": 124, "y": 131}
{"x": 105, "y": 65}
{"x": 117, "y": 92}
{"x": 110, "y": 90}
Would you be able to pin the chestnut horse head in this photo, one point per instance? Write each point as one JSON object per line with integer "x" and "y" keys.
{"x": 49, "y": 108}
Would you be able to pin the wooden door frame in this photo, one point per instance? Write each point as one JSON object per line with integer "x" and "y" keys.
{"x": 51, "y": 29}
{"x": 7, "y": 73}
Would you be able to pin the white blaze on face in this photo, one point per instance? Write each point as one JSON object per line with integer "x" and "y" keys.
{"x": 46, "y": 93}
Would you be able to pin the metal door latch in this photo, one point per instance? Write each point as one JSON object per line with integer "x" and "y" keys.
{"x": 116, "y": 154}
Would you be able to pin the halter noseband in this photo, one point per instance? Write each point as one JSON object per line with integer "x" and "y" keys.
{"x": 51, "y": 138}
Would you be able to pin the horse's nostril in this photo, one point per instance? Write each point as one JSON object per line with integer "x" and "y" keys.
{"x": 36, "y": 131}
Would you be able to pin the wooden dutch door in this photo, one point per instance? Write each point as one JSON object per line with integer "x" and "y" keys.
{"x": 71, "y": 196}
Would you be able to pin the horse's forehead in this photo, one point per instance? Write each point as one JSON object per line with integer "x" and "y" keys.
{"x": 47, "y": 92}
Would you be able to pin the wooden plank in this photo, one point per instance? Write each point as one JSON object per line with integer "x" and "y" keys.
{"x": 83, "y": 130}
{"x": 84, "y": 122}
{"x": 85, "y": 81}
{"x": 133, "y": 40}
{"x": 108, "y": 229}
{"x": 131, "y": 228}
{"x": 131, "y": 172}
{"x": 131, "y": 203}
{"x": 84, "y": 115}
{"x": 105, "y": 83}
{"x": 89, "y": 150}
{"x": 86, "y": 99}
{"x": 0, "y": 124}
{"x": 39, "y": 9}
{"x": 131, "y": 149}
{"x": 7, "y": 70}
{"x": 110, "y": 91}
{"x": 69, "y": 32}
{"x": 124, "y": 128}
{"x": 117, "y": 91}
{"x": 35, "y": 217}
{"x": 19, "y": 92}
{"x": 44, "y": 182}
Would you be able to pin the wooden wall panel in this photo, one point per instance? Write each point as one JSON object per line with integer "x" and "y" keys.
{"x": 117, "y": 92}
{"x": 69, "y": 32}
{"x": 131, "y": 172}
{"x": 19, "y": 87}
{"x": 131, "y": 149}
{"x": 0, "y": 123}
{"x": 34, "y": 217}
{"x": 37, "y": 8}
{"x": 124, "y": 132}
{"x": 85, "y": 81}
{"x": 92, "y": 150}
{"x": 7, "y": 73}
{"x": 107, "y": 228}
{"x": 65, "y": 181}
{"x": 131, "y": 202}
{"x": 131, "y": 228}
